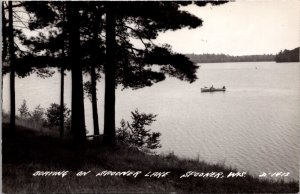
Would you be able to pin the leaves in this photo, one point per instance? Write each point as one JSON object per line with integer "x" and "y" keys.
{"x": 24, "y": 112}
{"x": 137, "y": 132}
{"x": 53, "y": 115}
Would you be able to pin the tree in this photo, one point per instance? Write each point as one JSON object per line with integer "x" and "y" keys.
{"x": 131, "y": 66}
{"x": 25, "y": 62}
{"x": 12, "y": 67}
{"x": 37, "y": 116}
{"x": 53, "y": 17}
{"x": 288, "y": 56}
{"x": 96, "y": 30}
{"x": 18, "y": 66}
{"x": 137, "y": 132}
{"x": 109, "y": 101}
{"x": 77, "y": 115}
{"x": 125, "y": 64}
{"x": 53, "y": 43}
{"x": 53, "y": 115}
{"x": 93, "y": 51}
{"x": 62, "y": 80}
{"x": 24, "y": 112}
{"x": 4, "y": 33}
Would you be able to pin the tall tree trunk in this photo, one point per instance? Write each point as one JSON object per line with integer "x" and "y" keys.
{"x": 12, "y": 68}
{"x": 93, "y": 74}
{"x": 78, "y": 120}
{"x": 62, "y": 80}
{"x": 109, "y": 107}
{"x": 4, "y": 34}
{"x": 62, "y": 88}
{"x": 4, "y": 42}
{"x": 94, "y": 100}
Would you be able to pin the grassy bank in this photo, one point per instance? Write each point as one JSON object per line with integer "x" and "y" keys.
{"x": 30, "y": 150}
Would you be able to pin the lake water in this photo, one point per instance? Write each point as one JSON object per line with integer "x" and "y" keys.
{"x": 253, "y": 126}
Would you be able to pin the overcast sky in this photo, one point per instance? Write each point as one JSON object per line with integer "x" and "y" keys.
{"x": 240, "y": 28}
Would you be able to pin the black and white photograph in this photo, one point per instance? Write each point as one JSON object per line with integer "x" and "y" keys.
{"x": 150, "y": 96}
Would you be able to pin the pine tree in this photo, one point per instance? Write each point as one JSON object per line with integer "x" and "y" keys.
{"x": 128, "y": 65}
{"x": 54, "y": 44}
{"x": 77, "y": 115}
{"x": 12, "y": 58}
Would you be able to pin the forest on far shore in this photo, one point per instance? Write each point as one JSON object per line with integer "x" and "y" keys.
{"x": 282, "y": 56}
{"x": 222, "y": 58}
{"x": 288, "y": 55}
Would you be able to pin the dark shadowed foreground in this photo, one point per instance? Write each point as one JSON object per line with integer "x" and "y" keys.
{"x": 30, "y": 151}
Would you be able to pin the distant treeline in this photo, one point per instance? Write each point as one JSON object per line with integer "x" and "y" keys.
{"x": 288, "y": 56}
{"x": 222, "y": 58}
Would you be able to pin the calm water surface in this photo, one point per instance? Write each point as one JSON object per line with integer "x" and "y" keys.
{"x": 253, "y": 126}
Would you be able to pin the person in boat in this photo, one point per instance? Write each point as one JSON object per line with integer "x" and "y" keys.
{"x": 212, "y": 87}
{"x": 224, "y": 87}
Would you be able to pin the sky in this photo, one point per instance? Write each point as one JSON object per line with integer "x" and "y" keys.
{"x": 241, "y": 27}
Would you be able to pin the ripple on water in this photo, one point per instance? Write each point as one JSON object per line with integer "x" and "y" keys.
{"x": 253, "y": 126}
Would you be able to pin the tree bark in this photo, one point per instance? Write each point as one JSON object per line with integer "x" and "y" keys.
{"x": 62, "y": 80}
{"x": 4, "y": 34}
{"x": 12, "y": 68}
{"x": 78, "y": 119}
{"x": 93, "y": 75}
{"x": 62, "y": 89}
{"x": 109, "y": 107}
{"x": 94, "y": 100}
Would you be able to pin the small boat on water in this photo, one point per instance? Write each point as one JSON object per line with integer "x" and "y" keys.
{"x": 212, "y": 89}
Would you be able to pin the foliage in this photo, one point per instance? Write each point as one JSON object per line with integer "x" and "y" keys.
{"x": 34, "y": 119}
{"x": 221, "y": 58}
{"x": 53, "y": 116}
{"x": 87, "y": 88}
{"x": 37, "y": 115}
{"x": 50, "y": 118}
{"x": 77, "y": 28}
{"x": 136, "y": 133}
{"x": 288, "y": 56}
{"x": 24, "y": 112}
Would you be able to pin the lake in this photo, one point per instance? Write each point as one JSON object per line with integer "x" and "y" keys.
{"x": 253, "y": 126}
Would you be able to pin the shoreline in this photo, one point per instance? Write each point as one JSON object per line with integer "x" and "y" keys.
{"x": 31, "y": 151}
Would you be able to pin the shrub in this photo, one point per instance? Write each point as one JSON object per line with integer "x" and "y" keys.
{"x": 53, "y": 116}
{"x": 37, "y": 116}
{"x": 136, "y": 133}
{"x": 24, "y": 112}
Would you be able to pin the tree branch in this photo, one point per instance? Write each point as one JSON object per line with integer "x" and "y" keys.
{"x": 138, "y": 35}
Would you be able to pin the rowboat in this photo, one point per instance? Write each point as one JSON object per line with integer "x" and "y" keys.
{"x": 213, "y": 89}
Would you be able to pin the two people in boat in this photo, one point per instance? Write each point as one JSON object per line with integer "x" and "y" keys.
{"x": 212, "y": 87}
